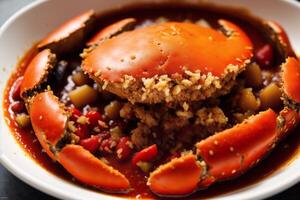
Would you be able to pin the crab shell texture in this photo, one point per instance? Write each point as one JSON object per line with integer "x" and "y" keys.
{"x": 232, "y": 152}
{"x": 279, "y": 39}
{"x": 75, "y": 159}
{"x": 112, "y": 30}
{"x": 225, "y": 155}
{"x": 37, "y": 71}
{"x": 70, "y": 35}
{"x": 151, "y": 64}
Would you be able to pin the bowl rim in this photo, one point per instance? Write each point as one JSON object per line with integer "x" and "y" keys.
{"x": 55, "y": 192}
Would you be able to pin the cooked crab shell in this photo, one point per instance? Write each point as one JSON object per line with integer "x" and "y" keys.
{"x": 70, "y": 35}
{"x": 37, "y": 72}
{"x": 151, "y": 64}
{"x": 112, "y": 30}
{"x": 49, "y": 125}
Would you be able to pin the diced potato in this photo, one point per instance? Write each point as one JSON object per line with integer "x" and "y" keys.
{"x": 112, "y": 110}
{"x": 144, "y": 166}
{"x": 80, "y": 78}
{"x": 23, "y": 120}
{"x": 270, "y": 96}
{"x": 253, "y": 75}
{"x": 247, "y": 100}
{"x": 116, "y": 133}
{"x": 83, "y": 95}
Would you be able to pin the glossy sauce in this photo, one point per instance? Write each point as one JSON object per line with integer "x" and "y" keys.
{"x": 282, "y": 155}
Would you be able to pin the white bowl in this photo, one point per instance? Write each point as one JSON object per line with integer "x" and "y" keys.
{"x": 34, "y": 21}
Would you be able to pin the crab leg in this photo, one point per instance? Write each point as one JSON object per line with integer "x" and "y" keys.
{"x": 37, "y": 71}
{"x": 226, "y": 155}
{"x": 69, "y": 35}
{"x": 291, "y": 79}
{"x": 178, "y": 177}
{"x": 90, "y": 170}
{"x": 112, "y": 30}
{"x": 235, "y": 150}
{"x": 49, "y": 119}
{"x": 280, "y": 38}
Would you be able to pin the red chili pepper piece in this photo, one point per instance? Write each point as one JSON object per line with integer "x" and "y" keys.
{"x": 82, "y": 131}
{"x": 146, "y": 154}
{"x": 123, "y": 149}
{"x": 265, "y": 55}
{"x": 18, "y": 107}
{"x": 75, "y": 114}
{"x": 91, "y": 144}
{"x": 16, "y": 89}
{"x": 93, "y": 117}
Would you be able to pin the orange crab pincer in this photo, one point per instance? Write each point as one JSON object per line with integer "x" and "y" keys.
{"x": 37, "y": 71}
{"x": 69, "y": 35}
{"x": 53, "y": 135}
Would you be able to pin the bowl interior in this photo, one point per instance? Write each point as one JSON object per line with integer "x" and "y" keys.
{"x": 34, "y": 21}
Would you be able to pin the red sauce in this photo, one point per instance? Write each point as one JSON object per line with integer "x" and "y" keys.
{"x": 283, "y": 155}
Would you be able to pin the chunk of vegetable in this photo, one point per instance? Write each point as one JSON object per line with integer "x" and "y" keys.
{"x": 116, "y": 133}
{"x": 75, "y": 114}
{"x": 80, "y": 78}
{"x": 145, "y": 155}
{"x": 247, "y": 100}
{"x": 83, "y": 95}
{"x": 270, "y": 96}
{"x": 23, "y": 120}
{"x": 91, "y": 144}
{"x": 253, "y": 75}
{"x": 93, "y": 117}
{"x": 124, "y": 149}
{"x": 112, "y": 110}
{"x": 264, "y": 56}
{"x": 144, "y": 166}
{"x": 82, "y": 131}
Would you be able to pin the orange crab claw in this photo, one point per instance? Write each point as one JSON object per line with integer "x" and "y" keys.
{"x": 235, "y": 150}
{"x": 112, "y": 30}
{"x": 165, "y": 46}
{"x": 48, "y": 120}
{"x": 37, "y": 71}
{"x": 90, "y": 170}
{"x": 281, "y": 36}
{"x": 180, "y": 176}
{"x": 291, "y": 79}
{"x": 70, "y": 34}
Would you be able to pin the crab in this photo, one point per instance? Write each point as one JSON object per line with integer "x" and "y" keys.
{"x": 182, "y": 62}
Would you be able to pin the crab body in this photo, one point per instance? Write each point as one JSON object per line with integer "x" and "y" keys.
{"x": 190, "y": 63}
{"x": 165, "y": 48}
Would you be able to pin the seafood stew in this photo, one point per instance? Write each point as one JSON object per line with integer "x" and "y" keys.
{"x": 151, "y": 104}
